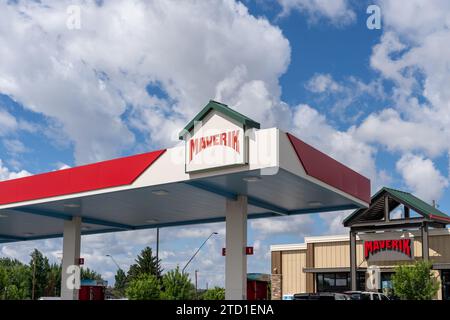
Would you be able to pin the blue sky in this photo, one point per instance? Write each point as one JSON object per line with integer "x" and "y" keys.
{"x": 132, "y": 74}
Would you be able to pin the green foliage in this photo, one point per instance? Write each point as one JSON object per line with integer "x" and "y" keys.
{"x": 53, "y": 287}
{"x": 215, "y": 293}
{"x": 144, "y": 287}
{"x": 146, "y": 263}
{"x": 40, "y": 269}
{"x": 177, "y": 286}
{"x": 415, "y": 282}
{"x": 14, "y": 280}
{"x": 11, "y": 292}
{"x": 17, "y": 279}
{"x": 88, "y": 274}
{"x": 120, "y": 283}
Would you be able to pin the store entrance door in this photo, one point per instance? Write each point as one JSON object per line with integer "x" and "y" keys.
{"x": 445, "y": 276}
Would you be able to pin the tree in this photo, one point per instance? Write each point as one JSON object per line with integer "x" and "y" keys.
{"x": 146, "y": 263}
{"x": 88, "y": 274}
{"x": 415, "y": 282}
{"x": 215, "y": 293}
{"x": 14, "y": 280}
{"x": 40, "y": 269}
{"x": 53, "y": 287}
{"x": 144, "y": 287}
{"x": 120, "y": 283}
{"x": 177, "y": 286}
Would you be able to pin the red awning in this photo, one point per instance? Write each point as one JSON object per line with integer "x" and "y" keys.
{"x": 106, "y": 174}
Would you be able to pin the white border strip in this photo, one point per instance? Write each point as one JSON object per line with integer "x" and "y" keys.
{"x": 288, "y": 247}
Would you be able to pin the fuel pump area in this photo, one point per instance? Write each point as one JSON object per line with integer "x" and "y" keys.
{"x": 227, "y": 170}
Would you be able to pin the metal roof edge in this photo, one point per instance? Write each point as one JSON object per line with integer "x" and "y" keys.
{"x": 222, "y": 108}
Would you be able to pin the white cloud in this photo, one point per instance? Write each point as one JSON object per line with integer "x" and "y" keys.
{"x": 414, "y": 54}
{"x": 7, "y": 174}
{"x": 185, "y": 48}
{"x": 298, "y": 225}
{"x": 200, "y": 232}
{"x": 61, "y": 166}
{"x": 14, "y": 146}
{"x": 415, "y": 19}
{"x": 337, "y": 12}
{"x": 321, "y": 83}
{"x": 388, "y": 128}
{"x": 348, "y": 99}
{"x": 333, "y": 221}
{"x": 8, "y": 122}
{"x": 313, "y": 128}
{"x": 422, "y": 177}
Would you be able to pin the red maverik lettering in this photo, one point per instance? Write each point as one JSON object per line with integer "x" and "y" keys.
{"x": 401, "y": 245}
{"x": 227, "y": 139}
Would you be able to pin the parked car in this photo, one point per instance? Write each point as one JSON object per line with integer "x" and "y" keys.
{"x": 321, "y": 296}
{"x": 366, "y": 295}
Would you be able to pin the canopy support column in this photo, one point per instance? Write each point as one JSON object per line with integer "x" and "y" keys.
{"x": 70, "y": 277}
{"x": 353, "y": 259}
{"x": 235, "y": 256}
{"x": 425, "y": 243}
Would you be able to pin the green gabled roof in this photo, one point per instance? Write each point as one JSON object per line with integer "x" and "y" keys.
{"x": 418, "y": 205}
{"x": 357, "y": 211}
{"x": 224, "y": 109}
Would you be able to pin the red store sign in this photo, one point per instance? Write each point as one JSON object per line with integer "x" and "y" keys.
{"x": 388, "y": 249}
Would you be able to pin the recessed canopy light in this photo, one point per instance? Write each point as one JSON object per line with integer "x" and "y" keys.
{"x": 160, "y": 192}
{"x": 85, "y": 228}
{"x": 251, "y": 178}
{"x": 71, "y": 205}
{"x": 2, "y": 215}
{"x": 28, "y": 234}
{"x": 151, "y": 221}
{"x": 315, "y": 203}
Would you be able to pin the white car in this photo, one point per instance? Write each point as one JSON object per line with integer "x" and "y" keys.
{"x": 366, "y": 295}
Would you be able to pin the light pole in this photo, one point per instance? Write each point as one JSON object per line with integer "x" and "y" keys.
{"x": 196, "y": 288}
{"x": 192, "y": 258}
{"x": 108, "y": 255}
{"x": 157, "y": 245}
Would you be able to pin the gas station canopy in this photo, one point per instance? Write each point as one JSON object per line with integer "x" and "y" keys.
{"x": 225, "y": 155}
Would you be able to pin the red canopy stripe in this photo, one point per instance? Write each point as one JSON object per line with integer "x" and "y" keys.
{"x": 101, "y": 175}
{"x": 324, "y": 168}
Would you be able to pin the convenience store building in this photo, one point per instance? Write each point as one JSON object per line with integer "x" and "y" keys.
{"x": 397, "y": 228}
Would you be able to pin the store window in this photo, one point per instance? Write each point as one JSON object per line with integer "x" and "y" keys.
{"x": 386, "y": 283}
{"x": 361, "y": 281}
{"x": 339, "y": 281}
{"x": 333, "y": 282}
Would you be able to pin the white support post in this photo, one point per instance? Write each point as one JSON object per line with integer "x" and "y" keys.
{"x": 71, "y": 255}
{"x": 353, "y": 260}
{"x": 235, "y": 256}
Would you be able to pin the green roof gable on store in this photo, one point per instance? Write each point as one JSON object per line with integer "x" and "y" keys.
{"x": 223, "y": 109}
{"x": 406, "y": 198}
{"x": 419, "y": 205}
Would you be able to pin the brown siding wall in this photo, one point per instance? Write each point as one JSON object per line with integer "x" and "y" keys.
{"x": 331, "y": 255}
{"x": 337, "y": 255}
{"x": 310, "y": 260}
{"x": 293, "y": 277}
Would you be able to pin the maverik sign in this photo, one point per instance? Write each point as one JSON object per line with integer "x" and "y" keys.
{"x": 389, "y": 249}
{"x": 216, "y": 138}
